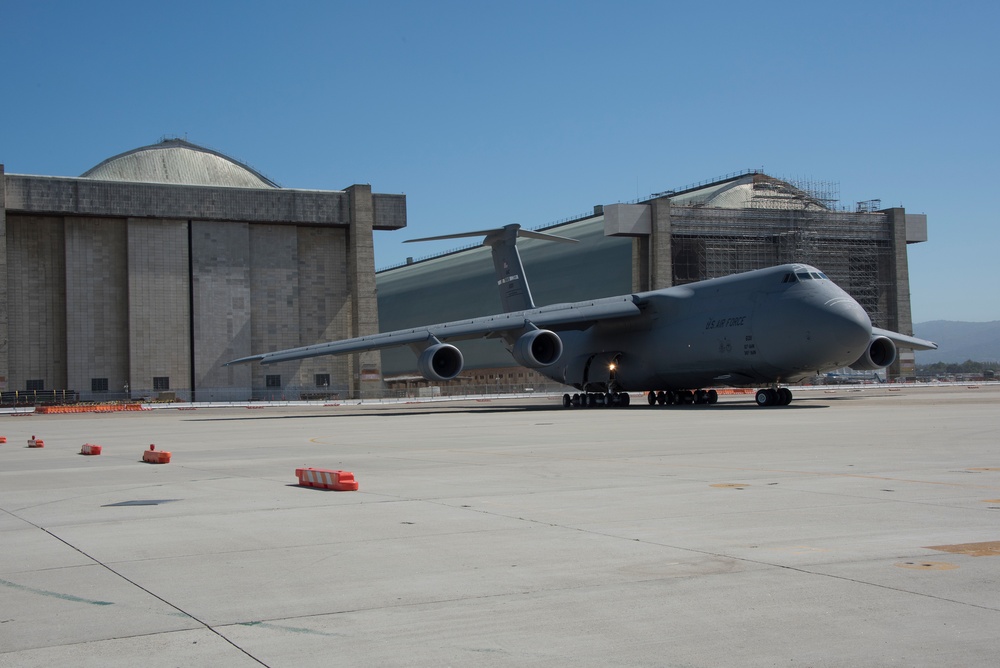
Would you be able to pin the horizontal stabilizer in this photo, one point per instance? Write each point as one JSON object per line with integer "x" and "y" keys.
{"x": 496, "y": 231}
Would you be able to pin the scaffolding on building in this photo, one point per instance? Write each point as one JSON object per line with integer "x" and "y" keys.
{"x": 852, "y": 247}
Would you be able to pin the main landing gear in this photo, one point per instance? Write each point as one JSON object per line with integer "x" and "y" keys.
{"x": 771, "y": 396}
{"x": 596, "y": 400}
{"x": 678, "y": 397}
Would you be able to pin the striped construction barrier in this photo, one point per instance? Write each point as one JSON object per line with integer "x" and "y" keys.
{"x": 89, "y": 408}
{"x": 35, "y": 442}
{"x": 154, "y": 456}
{"x": 3, "y": 439}
{"x": 340, "y": 481}
{"x": 90, "y": 449}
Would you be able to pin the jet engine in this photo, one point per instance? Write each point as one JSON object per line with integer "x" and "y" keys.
{"x": 440, "y": 362}
{"x": 880, "y": 353}
{"x": 537, "y": 348}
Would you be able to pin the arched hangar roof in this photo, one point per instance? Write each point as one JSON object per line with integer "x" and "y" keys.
{"x": 178, "y": 162}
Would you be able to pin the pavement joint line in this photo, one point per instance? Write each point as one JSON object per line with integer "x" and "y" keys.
{"x": 144, "y": 589}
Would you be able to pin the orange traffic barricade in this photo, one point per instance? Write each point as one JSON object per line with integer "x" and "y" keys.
{"x": 90, "y": 449}
{"x": 154, "y": 456}
{"x": 340, "y": 481}
{"x": 35, "y": 442}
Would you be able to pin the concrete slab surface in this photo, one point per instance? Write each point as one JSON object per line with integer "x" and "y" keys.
{"x": 510, "y": 532}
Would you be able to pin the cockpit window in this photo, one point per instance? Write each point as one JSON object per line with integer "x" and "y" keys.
{"x": 795, "y": 277}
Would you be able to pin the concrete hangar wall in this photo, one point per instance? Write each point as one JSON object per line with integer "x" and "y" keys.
{"x": 739, "y": 223}
{"x": 158, "y": 265}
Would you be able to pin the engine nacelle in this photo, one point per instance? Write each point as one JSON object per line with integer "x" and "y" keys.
{"x": 537, "y": 348}
{"x": 440, "y": 362}
{"x": 880, "y": 353}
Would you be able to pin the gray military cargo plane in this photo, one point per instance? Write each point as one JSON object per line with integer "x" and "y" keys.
{"x": 768, "y": 327}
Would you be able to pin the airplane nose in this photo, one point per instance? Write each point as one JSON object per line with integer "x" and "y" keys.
{"x": 812, "y": 332}
{"x": 846, "y": 325}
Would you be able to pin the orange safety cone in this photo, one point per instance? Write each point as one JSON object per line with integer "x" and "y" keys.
{"x": 340, "y": 481}
{"x": 35, "y": 442}
{"x": 90, "y": 449}
{"x": 154, "y": 456}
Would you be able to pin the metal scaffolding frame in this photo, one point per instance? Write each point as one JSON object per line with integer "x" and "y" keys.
{"x": 852, "y": 248}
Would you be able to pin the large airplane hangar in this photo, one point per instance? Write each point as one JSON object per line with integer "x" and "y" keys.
{"x": 142, "y": 276}
{"x": 739, "y": 223}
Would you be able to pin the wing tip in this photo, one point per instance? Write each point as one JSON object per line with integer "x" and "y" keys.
{"x": 244, "y": 360}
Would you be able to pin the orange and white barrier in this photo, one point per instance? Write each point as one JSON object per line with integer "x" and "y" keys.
{"x": 340, "y": 481}
{"x": 3, "y": 439}
{"x": 154, "y": 456}
{"x": 90, "y": 449}
{"x": 90, "y": 408}
{"x": 35, "y": 442}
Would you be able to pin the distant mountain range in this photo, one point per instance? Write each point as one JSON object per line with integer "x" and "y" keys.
{"x": 959, "y": 341}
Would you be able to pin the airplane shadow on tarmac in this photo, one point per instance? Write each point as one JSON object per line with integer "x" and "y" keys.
{"x": 474, "y": 410}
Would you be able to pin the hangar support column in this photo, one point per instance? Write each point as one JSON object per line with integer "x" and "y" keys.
{"x": 650, "y": 228}
{"x": 365, "y": 368}
{"x": 900, "y": 319}
{"x": 661, "y": 265}
{"x": 4, "y": 355}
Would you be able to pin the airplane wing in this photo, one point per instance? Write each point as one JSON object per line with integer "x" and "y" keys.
{"x": 557, "y": 316}
{"x": 904, "y": 341}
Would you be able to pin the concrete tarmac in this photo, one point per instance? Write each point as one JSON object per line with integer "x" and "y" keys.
{"x": 853, "y": 528}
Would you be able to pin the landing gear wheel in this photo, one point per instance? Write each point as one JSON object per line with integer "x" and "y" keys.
{"x": 713, "y": 397}
{"x": 765, "y": 398}
{"x": 661, "y": 397}
{"x": 624, "y": 399}
{"x": 651, "y": 398}
{"x": 567, "y": 401}
{"x": 784, "y": 396}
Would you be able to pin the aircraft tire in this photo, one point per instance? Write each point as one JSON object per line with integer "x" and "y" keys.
{"x": 713, "y": 397}
{"x": 763, "y": 398}
{"x": 567, "y": 401}
{"x": 661, "y": 397}
{"x": 651, "y": 398}
{"x": 784, "y": 396}
{"x": 624, "y": 399}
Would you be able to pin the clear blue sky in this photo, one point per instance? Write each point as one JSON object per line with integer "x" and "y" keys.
{"x": 488, "y": 113}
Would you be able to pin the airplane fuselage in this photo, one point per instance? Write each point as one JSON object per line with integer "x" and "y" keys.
{"x": 769, "y": 326}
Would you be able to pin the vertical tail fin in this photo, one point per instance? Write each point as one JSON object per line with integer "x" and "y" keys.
{"x": 515, "y": 295}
